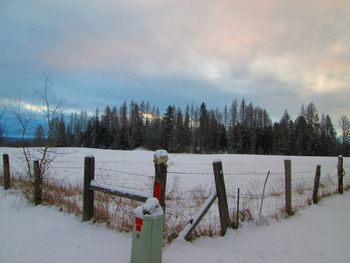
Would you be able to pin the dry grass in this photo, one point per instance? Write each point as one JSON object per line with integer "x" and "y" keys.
{"x": 117, "y": 213}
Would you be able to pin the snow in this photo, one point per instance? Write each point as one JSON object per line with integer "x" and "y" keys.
{"x": 117, "y": 189}
{"x": 41, "y": 234}
{"x": 161, "y": 156}
{"x": 316, "y": 234}
{"x": 194, "y": 219}
{"x": 150, "y": 209}
{"x": 150, "y": 206}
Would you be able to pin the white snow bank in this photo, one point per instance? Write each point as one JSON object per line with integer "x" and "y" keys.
{"x": 41, "y": 234}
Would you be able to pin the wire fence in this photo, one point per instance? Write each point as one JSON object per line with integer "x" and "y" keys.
{"x": 251, "y": 182}
{"x": 187, "y": 189}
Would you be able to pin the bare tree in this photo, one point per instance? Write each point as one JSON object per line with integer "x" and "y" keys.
{"x": 46, "y": 113}
{"x": 344, "y": 124}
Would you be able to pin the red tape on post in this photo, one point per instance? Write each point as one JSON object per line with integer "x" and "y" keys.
{"x": 157, "y": 190}
{"x": 138, "y": 224}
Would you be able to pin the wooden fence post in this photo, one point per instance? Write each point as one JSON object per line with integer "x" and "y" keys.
{"x": 316, "y": 184}
{"x": 37, "y": 184}
{"x": 288, "y": 186}
{"x": 160, "y": 165}
{"x": 340, "y": 175}
{"x": 7, "y": 180}
{"x": 88, "y": 195}
{"x": 237, "y": 215}
{"x": 222, "y": 198}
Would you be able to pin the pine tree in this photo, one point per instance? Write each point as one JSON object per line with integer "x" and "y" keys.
{"x": 135, "y": 126}
{"x": 60, "y": 139}
{"x": 179, "y": 133}
{"x": 203, "y": 128}
{"x": 313, "y": 129}
{"x": 39, "y": 136}
{"x": 115, "y": 129}
{"x": 168, "y": 128}
{"x": 301, "y": 136}
{"x": 124, "y": 142}
{"x": 187, "y": 130}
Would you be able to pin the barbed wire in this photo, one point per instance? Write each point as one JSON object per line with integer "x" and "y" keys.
{"x": 245, "y": 172}
{"x": 181, "y": 172}
{"x": 123, "y": 161}
{"x": 66, "y": 167}
{"x": 123, "y": 172}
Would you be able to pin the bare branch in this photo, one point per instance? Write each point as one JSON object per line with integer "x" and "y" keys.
{"x": 25, "y": 116}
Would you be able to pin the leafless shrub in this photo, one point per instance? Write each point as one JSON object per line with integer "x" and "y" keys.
{"x": 117, "y": 213}
{"x": 300, "y": 187}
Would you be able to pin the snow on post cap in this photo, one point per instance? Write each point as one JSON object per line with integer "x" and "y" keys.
{"x": 217, "y": 161}
{"x": 89, "y": 156}
{"x": 151, "y": 204}
{"x": 160, "y": 156}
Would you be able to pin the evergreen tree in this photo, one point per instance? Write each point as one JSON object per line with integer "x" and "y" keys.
{"x": 135, "y": 126}
{"x": 106, "y": 129}
{"x": 153, "y": 131}
{"x": 203, "y": 128}
{"x": 168, "y": 128}
{"x": 115, "y": 129}
{"x": 301, "y": 136}
{"x": 313, "y": 129}
{"x": 187, "y": 130}
{"x": 39, "y": 136}
{"x": 123, "y": 133}
{"x": 179, "y": 133}
{"x": 60, "y": 140}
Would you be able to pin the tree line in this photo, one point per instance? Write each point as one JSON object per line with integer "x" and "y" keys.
{"x": 240, "y": 128}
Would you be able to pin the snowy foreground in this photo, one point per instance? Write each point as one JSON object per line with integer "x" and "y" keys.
{"x": 319, "y": 233}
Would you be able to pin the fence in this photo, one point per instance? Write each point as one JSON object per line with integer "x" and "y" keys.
{"x": 160, "y": 164}
{"x": 186, "y": 206}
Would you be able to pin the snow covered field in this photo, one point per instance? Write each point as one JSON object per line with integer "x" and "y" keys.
{"x": 190, "y": 178}
{"x": 318, "y": 234}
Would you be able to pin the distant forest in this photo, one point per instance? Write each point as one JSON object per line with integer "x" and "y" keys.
{"x": 241, "y": 128}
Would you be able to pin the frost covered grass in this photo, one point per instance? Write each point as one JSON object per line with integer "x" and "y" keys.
{"x": 190, "y": 182}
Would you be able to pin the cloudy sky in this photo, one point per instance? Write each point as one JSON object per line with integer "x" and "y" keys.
{"x": 277, "y": 54}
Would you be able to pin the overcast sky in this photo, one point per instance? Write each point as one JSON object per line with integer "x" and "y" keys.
{"x": 277, "y": 54}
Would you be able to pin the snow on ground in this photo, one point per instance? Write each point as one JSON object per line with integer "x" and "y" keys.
{"x": 187, "y": 173}
{"x": 127, "y": 168}
{"x": 317, "y": 234}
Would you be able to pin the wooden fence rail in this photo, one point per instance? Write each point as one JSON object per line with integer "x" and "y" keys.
{"x": 220, "y": 193}
{"x": 90, "y": 185}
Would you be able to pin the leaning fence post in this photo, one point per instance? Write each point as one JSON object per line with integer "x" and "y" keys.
{"x": 88, "y": 195}
{"x": 288, "y": 185}
{"x": 7, "y": 180}
{"x": 222, "y": 198}
{"x": 160, "y": 165}
{"x": 37, "y": 184}
{"x": 316, "y": 184}
{"x": 340, "y": 175}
